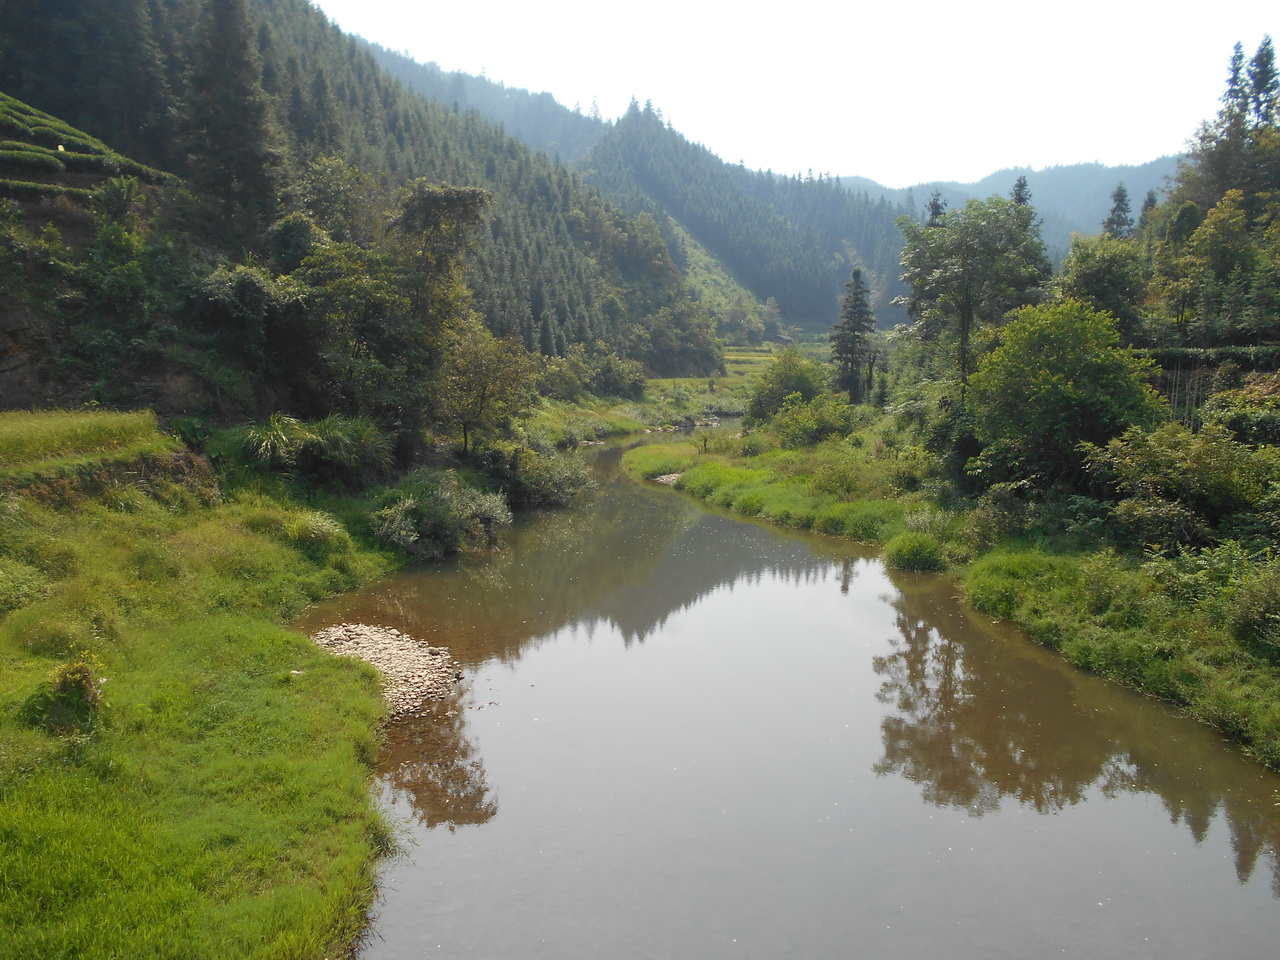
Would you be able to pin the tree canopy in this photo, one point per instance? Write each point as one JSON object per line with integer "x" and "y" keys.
{"x": 1058, "y": 377}
{"x": 968, "y": 267}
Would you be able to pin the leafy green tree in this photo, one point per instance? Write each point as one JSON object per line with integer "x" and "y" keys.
{"x": 1106, "y": 274}
{"x": 1058, "y": 378}
{"x": 484, "y": 381}
{"x": 971, "y": 267}
{"x": 851, "y": 348}
{"x": 790, "y": 372}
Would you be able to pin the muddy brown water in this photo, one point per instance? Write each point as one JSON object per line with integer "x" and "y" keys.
{"x": 682, "y": 735}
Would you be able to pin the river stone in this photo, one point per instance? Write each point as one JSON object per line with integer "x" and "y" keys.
{"x": 413, "y": 672}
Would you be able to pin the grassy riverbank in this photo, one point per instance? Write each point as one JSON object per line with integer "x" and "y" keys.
{"x": 180, "y": 776}
{"x": 1194, "y": 627}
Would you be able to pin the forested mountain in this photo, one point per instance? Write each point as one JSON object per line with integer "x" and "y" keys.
{"x": 270, "y": 113}
{"x": 1073, "y": 198}
{"x": 538, "y": 119}
{"x": 789, "y": 239}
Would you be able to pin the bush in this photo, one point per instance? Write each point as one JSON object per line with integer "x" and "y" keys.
{"x": 431, "y": 514}
{"x": 1254, "y": 615}
{"x": 71, "y": 700}
{"x": 790, "y": 373}
{"x": 803, "y": 423}
{"x": 914, "y": 551}
{"x": 536, "y": 478}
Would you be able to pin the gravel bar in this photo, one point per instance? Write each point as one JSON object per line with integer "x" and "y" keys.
{"x": 413, "y": 672}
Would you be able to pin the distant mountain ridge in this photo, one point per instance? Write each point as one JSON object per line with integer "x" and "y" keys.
{"x": 1073, "y": 198}
{"x": 766, "y": 224}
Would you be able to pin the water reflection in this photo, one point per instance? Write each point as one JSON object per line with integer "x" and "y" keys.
{"x": 629, "y": 560}
{"x": 980, "y": 716}
{"x": 430, "y": 762}
{"x": 969, "y": 712}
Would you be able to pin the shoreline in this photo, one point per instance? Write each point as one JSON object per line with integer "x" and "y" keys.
{"x": 413, "y": 672}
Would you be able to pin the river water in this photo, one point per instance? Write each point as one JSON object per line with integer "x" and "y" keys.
{"x": 686, "y": 736}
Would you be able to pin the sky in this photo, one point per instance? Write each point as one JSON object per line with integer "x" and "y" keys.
{"x": 905, "y": 93}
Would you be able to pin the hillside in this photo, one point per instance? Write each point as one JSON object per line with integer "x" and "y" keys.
{"x": 538, "y": 119}
{"x": 790, "y": 240}
{"x": 254, "y": 134}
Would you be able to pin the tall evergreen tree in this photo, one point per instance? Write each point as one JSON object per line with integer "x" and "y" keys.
{"x": 1149, "y": 204}
{"x": 1021, "y": 193}
{"x": 1119, "y": 222}
{"x": 1264, "y": 84}
{"x": 850, "y": 338}
{"x": 229, "y": 139}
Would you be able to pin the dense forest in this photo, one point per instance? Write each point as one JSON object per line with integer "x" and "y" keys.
{"x": 297, "y": 161}
{"x": 790, "y": 239}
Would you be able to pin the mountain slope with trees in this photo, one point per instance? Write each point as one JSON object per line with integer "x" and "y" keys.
{"x": 788, "y": 239}
{"x": 269, "y": 112}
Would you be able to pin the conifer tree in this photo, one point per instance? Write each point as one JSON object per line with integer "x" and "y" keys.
{"x": 228, "y": 138}
{"x": 850, "y": 338}
{"x": 1119, "y": 222}
{"x": 1264, "y": 85}
{"x": 1021, "y": 193}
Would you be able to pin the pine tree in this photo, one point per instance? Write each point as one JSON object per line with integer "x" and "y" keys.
{"x": 229, "y": 140}
{"x": 1119, "y": 222}
{"x": 850, "y": 338}
{"x": 1021, "y": 193}
{"x": 1264, "y": 85}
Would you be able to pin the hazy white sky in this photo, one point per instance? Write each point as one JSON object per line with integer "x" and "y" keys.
{"x": 902, "y": 92}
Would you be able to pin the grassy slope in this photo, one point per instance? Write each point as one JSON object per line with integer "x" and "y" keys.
{"x": 219, "y": 804}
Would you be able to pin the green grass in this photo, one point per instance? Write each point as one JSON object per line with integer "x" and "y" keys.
{"x": 564, "y": 423}
{"x": 841, "y": 488}
{"x": 56, "y": 441}
{"x": 1158, "y": 625}
{"x": 218, "y": 803}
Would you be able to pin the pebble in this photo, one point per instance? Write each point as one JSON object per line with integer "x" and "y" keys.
{"x": 413, "y": 672}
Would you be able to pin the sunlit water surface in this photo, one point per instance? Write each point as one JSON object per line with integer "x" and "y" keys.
{"x": 682, "y": 735}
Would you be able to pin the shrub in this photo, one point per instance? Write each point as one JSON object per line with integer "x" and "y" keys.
{"x": 1254, "y": 616}
{"x": 790, "y": 373}
{"x": 431, "y": 514}
{"x": 803, "y": 423}
{"x": 536, "y": 478}
{"x": 916, "y": 551}
{"x": 71, "y": 699}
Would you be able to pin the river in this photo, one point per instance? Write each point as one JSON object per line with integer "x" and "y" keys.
{"x": 686, "y": 736}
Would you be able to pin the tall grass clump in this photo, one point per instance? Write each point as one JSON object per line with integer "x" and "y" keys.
{"x": 915, "y": 551}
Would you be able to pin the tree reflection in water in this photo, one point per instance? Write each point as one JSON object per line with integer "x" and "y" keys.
{"x": 429, "y": 761}
{"x": 979, "y": 716}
